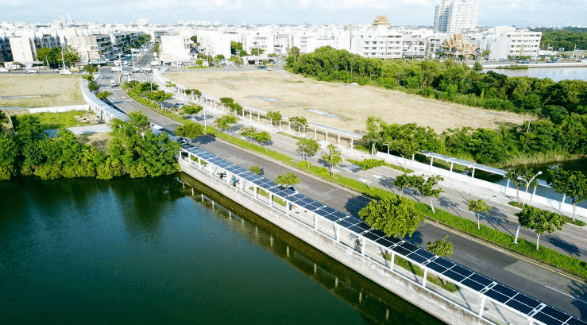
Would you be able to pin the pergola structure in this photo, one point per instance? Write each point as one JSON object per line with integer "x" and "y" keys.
{"x": 357, "y": 235}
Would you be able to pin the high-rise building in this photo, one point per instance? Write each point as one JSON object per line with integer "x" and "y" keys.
{"x": 453, "y": 16}
{"x": 142, "y": 22}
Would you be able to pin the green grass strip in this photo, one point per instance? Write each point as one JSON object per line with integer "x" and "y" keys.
{"x": 567, "y": 219}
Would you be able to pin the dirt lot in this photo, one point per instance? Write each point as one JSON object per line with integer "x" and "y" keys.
{"x": 39, "y": 91}
{"x": 98, "y": 140}
{"x": 336, "y": 105}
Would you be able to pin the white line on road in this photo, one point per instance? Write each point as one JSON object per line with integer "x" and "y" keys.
{"x": 568, "y": 295}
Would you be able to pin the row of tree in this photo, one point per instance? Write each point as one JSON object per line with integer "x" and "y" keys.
{"x": 133, "y": 150}
{"x": 52, "y": 56}
{"x": 446, "y": 80}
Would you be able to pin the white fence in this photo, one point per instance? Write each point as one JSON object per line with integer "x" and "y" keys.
{"x": 59, "y": 109}
{"x": 510, "y": 191}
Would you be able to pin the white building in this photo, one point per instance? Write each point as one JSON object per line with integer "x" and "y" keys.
{"x": 378, "y": 41}
{"x": 506, "y": 41}
{"x": 175, "y": 49}
{"x": 453, "y": 16}
{"x": 22, "y": 50}
{"x": 214, "y": 43}
{"x": 142, "y": 22}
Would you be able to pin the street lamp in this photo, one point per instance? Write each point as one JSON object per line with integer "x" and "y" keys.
{"x": 524, "y": 202}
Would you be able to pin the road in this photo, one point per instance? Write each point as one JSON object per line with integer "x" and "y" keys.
{"x": 553, "y": 288}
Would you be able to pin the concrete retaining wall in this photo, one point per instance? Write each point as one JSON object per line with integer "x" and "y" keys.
{"x": 393, "y": 282}
{"x": 59, "y": 109}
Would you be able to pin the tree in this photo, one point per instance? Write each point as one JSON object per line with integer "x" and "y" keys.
{"x": 248, "y": 132}
{"x": 440, "y": 247}
{"x": 486, "y": 53}
{"x": 192, "y": 109}
{"x": 332, "y": 157}
{"x": 256, "y": 170}
{"x": 426, "y": 188}
{"x": 374, "y": 128}
{"x": 158, "y": 96}
{"x": 274, "y": 117}
{"x": 541, "y": 221}
{"x": 478, "y": 207}
{"x": 570, "y": 183}
{"x": 190, "y": 130}
{"x": 238, "y": 61}
{"x": 8, "y": 155}
{"x": 93, "y": 86}
{"x": 199, "y": 62}
{"x": 477, "y": 66}
{"x": 103, "y": 95}
{"x": 90, "y": 68}
{"x": 517, "y": 177}
{"x": 407, "y": 139}
{"x": 300, "y": 122}
{"x": 287, "y": 179}
{"x": 263, "y": 138}
{"x": 194, "y": 39}
{"x": 393, "y": 215}
{"x": 307, "y": 146}
{"x": 225, "y": 121}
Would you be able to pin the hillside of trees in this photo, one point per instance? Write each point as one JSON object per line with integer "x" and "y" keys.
{"x": 564, "y": 38}
{"x": 561, "y": 130}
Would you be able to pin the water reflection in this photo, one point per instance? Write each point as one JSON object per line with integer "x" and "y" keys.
{"x": 376, "y": 305}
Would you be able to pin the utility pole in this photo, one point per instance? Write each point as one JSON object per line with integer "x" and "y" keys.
{"x": 62, "y": 59}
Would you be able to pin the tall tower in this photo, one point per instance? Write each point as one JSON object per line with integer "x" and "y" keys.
{"x": 456, "y": 15}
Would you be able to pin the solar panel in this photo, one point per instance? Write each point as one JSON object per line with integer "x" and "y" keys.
{"x": 344, "y": 223}
{"x": 519, "y": 306}
{"x": 454, "y": 275}
{"x": 527, "y": 300}
{"x": 497, "y": 296}
{"x": 339, "y": 214}
{"x": 554, "y": 313}
{"x": 546, "y": 319}
{"x": 417, "y": 258}
{"x": 363, "y": 226}
{"x": 322, "y": 212}
{"x": 463, "y": 271}
{"x": 436, "y": 267}
{"x": 425, "y": 253}
{"x": 332, "y": 217}
{"x": 481, "y": 279}
{"x": 574, "y": 321}
{"x": 370, "y": 235}
{"x": 472, "y": 284}
{"x": 394, "y": 240}
{"x": 444, "y": 262}
{"x": 401, "y": 250}
{"x": 504, "y": 290}
{"x": 384, "y": 242}
{"x": 356, "y": 229}
{"x": 410, "y": 247}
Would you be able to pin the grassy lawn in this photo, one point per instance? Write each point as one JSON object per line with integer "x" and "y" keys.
{"x": 55, "y": 120}
{"x": 565, "y": 218}
{"x": 39, "y": 91}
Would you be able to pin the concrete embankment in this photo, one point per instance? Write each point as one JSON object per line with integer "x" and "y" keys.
{"x": 410, "y": 291}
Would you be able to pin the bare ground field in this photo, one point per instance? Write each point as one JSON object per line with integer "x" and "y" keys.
{"x": 335, "y": 104}
{"x": 39, "y": 91}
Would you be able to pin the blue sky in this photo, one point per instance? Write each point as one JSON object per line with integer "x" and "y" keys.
{"x": 399, "y": 12}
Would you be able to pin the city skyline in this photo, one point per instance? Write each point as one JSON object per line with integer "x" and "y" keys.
{"x": 399, "y": 12}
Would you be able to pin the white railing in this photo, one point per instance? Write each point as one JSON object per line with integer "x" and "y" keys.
{"x": 469, "y": 300}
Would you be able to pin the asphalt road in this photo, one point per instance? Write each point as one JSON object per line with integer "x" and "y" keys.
{"x": 528, "y": 278}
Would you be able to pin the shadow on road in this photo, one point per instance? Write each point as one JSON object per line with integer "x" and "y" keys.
{"x": 579, "y": 291}
{"x": 355, "y": 204}
{"x": 567, "y": 247}
{"x": 204, "y": 140}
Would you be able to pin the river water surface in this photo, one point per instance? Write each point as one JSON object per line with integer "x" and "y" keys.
{"x": 84, "y": 251}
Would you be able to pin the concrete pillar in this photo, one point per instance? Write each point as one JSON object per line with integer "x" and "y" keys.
{"x": 258, "y": 117}
{"x": 473, "y": 175}
{"x": 287, "y": 207}
{"x": 315, "y": 134}
{"x": 289, "y": 125}
{"x": 533, "y": 193}
{"x": 315, "y": 221}
{"x": 228, "y": 177}
{"x": 256, "y": 194}
{"x": 193, "y": 191}
{"x": 562, "y": 201}
{"x": 339, "y": 139}
{"x": 326, "y": 136}
{"x": 363, "y": 242}
{"x": 337, "y": 232}
{"x": 251, "y": 114}
{"x": 450, "y": 172}
{"x": 352, "y": 140}
{"x": 271, "y": 199}
{"x": 280, "y": 125}
{"x": 482, "y": 307}
{"x": 425, "y": 278}
{"x": 392, "y": 262}
{"x": 507, "y": 186}
{"x": 243, "y": 112}
{"x": 431, "y": 162}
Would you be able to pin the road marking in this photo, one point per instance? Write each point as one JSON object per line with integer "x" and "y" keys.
{"x": 568, "y": 295}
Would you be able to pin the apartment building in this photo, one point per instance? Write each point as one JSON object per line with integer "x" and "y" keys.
{"x": 91, "y": 48}
{"x": 5, "y": 51}
{"x": 23, "y": 50}
{"x": 506, "y": 41}
{"x": 175, "y": 49}
{"x": 380, "y": 43}
{"x": 214, "y": 43}
{"x": 454, "y": 16}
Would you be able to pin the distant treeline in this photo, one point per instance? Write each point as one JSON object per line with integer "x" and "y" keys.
{"x": 562, "y": 106}
{"x": 563, "y": 38}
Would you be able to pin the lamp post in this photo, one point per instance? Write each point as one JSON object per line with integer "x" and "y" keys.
{"x": 524, "y": 202}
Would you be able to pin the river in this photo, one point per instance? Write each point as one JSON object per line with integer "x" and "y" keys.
{"x": 556, "y": 74}
{"x": 149, "y": 251}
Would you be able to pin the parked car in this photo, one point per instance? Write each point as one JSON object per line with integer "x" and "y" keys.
{"x": 261, "y": 67}
{"x": 269, "y": 69}
{"x": 65, "y": 72}
{"x": 4, "y": 70}
{"x": 31, "y": 71}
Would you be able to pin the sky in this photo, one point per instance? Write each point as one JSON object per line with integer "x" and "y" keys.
{"x": 520, "y": 13}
